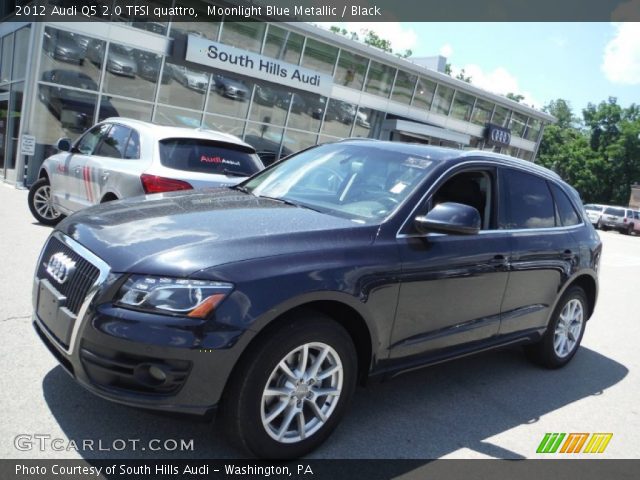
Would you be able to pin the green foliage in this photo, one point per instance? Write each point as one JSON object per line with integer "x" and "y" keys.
{"x": 598, "y": 154}
{"x": 371, "y": 38}
{"x": 461, "y": 76}
{"x": 515, "y": 97}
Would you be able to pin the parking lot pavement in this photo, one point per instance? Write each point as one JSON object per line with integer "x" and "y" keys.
{"x": 491, "y": 405}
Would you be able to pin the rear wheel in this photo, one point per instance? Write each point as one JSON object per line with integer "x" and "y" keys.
{"x": 41, "y": 205}
{"x": 291, "y": 390}
{"x": 564, "y": 332}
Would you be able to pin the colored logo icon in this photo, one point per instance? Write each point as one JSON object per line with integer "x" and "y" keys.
{"x": 574, "y": 442}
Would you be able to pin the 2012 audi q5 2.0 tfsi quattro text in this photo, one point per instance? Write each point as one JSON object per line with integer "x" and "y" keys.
{"x": 270, "y": 300}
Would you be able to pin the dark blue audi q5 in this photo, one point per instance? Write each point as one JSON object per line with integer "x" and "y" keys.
{"x": 269, "y": 301}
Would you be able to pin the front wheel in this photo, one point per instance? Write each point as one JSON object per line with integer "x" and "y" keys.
{"x": 564, "y": 332}
{"x": 292, "y": 388}
{"x": 41, "y": 205}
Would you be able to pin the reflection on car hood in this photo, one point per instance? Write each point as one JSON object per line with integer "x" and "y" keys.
{"x": 179, "y": 233}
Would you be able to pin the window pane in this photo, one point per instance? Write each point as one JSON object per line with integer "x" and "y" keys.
{"x": 224, "y": 124}
{"x": 21, "y": 50}
{"x": 115, "y": 142}
{"x": 283, "y": 45}
{"x": 229, "y": 95}
{"x": 296, "y": 141}
{"x": 524, "y": 154}
{"x": 159, "y": 28}
{"x": 482, "y": 112}
{"x": 270, "y": 104}
{"x": 124, "y": 64}
{"x": 5, "y": 63}
{"x": 201, "y": 29}
{"x": 177, "y": 117}
{"x": 90, "y": 140}
{"x": 533, "y": 129}
{"x": 351, "y": 70}
{"x": 339, "y": 118}
{"x": 526, "y": 200}
{"x": 442, "y": 100}
{"x": 306, "y": 111}
{"x": 266, "y": 139}
{"x": 424, "y": 94}
{"x": 379, "y": 79}
{"x": 404, "y": 86}
{"x": 367, "y": 122}
{"x": 462, "y": 106}
{"x": 133, "y": 147}
{"x": 500, "y": 116}
{"x": 517, "y": 123}
{"x": 187, "y": 90}
{"x": 120, "y": 107}
{"x": 69, "y": 55}
{"x": 244, "y": 35}
{"x": 72, "y": 109}
{"x": 319, "y": 56}
{"x": 568, "y": 215}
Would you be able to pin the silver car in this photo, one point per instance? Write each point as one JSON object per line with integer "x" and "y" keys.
{"x": 617, "y": 218}
{"x": 121, "y": 157}
{"x": 594, "y": 212}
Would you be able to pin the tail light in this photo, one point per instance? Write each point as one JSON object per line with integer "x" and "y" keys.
{"x": 156, "y": 184}
{"x": 625, "y": 220}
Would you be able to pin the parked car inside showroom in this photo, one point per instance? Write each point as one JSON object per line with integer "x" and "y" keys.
{"x": 270, "y": 300}
{"x": 121, "y": 157}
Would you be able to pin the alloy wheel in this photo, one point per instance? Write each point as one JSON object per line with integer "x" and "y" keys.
{"x": 302, "y": 392}
{"x": 568, "y": 328}
{"x": 43, "y": 204}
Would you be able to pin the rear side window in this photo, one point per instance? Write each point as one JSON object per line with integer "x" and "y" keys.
{"x": 618, "y": 212}
{"x": 133, "y": 147}
{"x": 114, "y": 144}
{"x": 206, "y": 156}
{"x": 525, "y": 201}
{"x": 566, "y": 211}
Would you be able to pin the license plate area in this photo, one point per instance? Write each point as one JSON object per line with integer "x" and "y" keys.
{"x": 53, "y": 314}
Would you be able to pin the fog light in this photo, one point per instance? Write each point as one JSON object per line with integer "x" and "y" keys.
{"x": 157, "y": 373}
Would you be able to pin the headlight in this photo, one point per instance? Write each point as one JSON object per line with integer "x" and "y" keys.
{"x": 172, "y": 296}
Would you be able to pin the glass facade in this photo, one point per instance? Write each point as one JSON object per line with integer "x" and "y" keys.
{"x": 81, "y": 79}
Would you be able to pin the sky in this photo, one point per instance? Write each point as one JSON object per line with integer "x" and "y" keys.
{"x": 579, "y": 62}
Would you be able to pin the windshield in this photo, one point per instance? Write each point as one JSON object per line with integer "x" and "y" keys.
{"x": 206, "y": 156}
{"x": 353, "y": 181}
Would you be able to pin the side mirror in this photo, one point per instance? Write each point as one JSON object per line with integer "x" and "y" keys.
{"x": 64, "y": 145}
{"x": 450, "y": 217}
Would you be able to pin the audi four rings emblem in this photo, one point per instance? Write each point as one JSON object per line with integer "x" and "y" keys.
{"x": 500, "y": 136}
{"x": 60, "y": 267}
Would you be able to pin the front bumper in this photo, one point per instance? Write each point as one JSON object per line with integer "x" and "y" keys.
{"x": 122, "y": 355}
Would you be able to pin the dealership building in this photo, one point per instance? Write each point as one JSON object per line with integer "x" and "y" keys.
{"x": 280, "y": 86}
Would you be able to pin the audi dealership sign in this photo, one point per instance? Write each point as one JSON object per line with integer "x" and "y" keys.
{"x": 497, "y": 135}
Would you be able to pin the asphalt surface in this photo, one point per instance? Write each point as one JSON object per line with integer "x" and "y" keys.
{"x": 494, "y": 405}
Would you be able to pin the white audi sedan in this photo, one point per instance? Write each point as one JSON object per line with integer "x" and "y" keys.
{"x": 121, "y": 157}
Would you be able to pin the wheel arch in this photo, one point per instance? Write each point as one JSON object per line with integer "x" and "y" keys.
{"x": 586, "y": 280}
{"x": 108, "y": 197}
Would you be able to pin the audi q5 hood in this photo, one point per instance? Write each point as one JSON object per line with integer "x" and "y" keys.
{"x": 179, "y": 234}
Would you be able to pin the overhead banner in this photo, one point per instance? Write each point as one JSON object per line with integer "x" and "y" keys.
{"x": 217, "y": 55}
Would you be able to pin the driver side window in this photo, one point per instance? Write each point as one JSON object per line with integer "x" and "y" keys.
{"x": 90, "y": 140}
{"x": 472, "y": 188}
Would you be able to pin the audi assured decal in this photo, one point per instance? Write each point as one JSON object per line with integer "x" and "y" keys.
{"x": 60, "y": 267}
{"x": 497, "y": 135}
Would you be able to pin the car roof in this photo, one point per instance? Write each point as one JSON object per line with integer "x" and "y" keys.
{"x": 452, "y": 154}
{"x": 160, "y": 132}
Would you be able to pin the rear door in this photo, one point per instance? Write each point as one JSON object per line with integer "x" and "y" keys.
{"x": 115, "y": 166}
{"x": 74, "y": 194}
{"x": 544, "y": 250}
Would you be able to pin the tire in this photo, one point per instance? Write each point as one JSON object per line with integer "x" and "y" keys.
{"x": 245, "y": 410}
{"x": 629, "y": 230}
{"x": 40, "y": 203}
{"x": 550, "y": 351}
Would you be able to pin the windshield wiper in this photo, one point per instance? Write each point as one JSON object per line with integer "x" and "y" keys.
{"x": 289, "y": 202}
{"x": 242, "y": 189}
{"x": 234, "y": 173}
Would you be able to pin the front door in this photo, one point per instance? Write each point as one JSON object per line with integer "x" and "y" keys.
{"x": 452, "y": 285}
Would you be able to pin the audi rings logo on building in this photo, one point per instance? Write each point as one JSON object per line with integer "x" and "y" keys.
{"x": 497, "y": 135}
{"x": 60, "y": 267}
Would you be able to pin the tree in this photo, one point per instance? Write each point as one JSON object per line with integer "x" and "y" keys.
{"x": 515, "y": 97}
{"x": 561, "y": 109}
{"x": 371, "y": 38}
{"x": 461, "y": 76}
